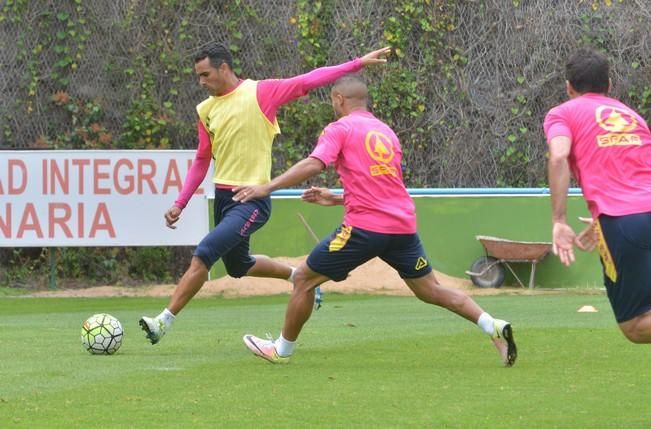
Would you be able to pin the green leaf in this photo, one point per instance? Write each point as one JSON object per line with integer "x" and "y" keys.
{"x": 62, "y": 63}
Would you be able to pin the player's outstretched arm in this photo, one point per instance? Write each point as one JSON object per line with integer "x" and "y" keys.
{"x": 272, "y": 93}
{"x": 298, "y": 173}
{"x": 376, "y": 57}
{"x": 322, "y": 196}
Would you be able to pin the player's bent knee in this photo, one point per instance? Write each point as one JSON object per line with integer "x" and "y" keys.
{"x": 427, "y": 290}
{"x": 198, "y": 264}
{"x": 306, "y": 280}
{"x": 304, "y": 287}
{"x": 633, "y": 337}
{"x": 635, "y": 333}
{"x": 203, "y": 256}
{"x": 301, "y": 275}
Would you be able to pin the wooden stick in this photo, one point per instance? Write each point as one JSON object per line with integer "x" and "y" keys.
{"x": 307, "y": 226}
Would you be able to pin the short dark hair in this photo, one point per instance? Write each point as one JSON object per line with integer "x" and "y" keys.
{"x": 216, "y": 53}
{"x": 352, "y": 86}
{"x": 351, "y": 78}
{"x": 587, "y": 71}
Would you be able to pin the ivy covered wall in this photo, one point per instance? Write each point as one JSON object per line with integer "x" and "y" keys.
{"x": 466, "y": 89}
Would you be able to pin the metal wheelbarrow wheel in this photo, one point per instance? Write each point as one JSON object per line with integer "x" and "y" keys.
{"x": 487, "y": 272}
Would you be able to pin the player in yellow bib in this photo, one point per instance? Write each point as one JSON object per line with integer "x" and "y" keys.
{"x": 236, "y": 127}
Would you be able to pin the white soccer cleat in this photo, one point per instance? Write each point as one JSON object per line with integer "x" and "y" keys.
{"x": 504, "y": 342}
{"x": 264, "y": 349}
{"x": 154, "y": 328}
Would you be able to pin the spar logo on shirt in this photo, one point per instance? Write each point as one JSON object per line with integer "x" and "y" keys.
{"x": 618, "y": 123}
{"x": 380, "y": 148}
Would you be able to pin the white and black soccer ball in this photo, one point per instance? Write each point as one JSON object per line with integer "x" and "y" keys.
{"x": 101, "y": 334}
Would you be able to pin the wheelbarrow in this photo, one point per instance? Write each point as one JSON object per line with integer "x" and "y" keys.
{"x": 488, "y": 271}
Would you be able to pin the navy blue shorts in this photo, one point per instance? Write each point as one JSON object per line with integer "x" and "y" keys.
{"x": 349, "y": 247}
{"x": 625, "y": 250}
{"x": 229, "y": 239}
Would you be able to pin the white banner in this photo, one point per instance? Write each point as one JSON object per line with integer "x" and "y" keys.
{"x": 97, "y": 198}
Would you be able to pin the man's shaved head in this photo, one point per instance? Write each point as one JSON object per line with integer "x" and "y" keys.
{"x": 349, "y": 93}
{"x": 352, "y": 87}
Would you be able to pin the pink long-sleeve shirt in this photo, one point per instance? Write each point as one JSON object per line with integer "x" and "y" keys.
{"x": 367, "y": 156}
{"x": 610, "y": 156}
{"x": 270, "y": 94}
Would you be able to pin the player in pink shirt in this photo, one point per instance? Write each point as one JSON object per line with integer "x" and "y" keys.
{"x": 606, "y": 146}
{"x": 379, "y": 221}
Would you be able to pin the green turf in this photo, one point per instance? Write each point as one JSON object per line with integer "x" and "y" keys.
{"x": 362, "y": 362}
{"x": 7, "y": 291}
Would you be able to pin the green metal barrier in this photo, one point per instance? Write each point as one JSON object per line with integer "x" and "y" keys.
{"x": 447, "y": 225}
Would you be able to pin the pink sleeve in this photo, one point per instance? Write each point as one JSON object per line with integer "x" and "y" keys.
{"x": 330, "y": 143}
{"x": 556, "y": 124}
{"x": 198, "y": 169}
{"x": 273, "y": 93}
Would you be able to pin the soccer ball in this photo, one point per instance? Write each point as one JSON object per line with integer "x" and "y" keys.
{"x": 101, "y": 334}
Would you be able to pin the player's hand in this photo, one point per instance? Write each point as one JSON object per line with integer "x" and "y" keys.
{"x": 375, "y": 57}
{"x": 172, "y": 215}
{"x": 321, "y": 196}
{"x": 588, "y": 238}
{"x": 244, "y": 194}
{"x": 563, "y": 242}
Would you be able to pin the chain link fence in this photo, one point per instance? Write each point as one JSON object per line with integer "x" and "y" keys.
{"x": 466, "y": 90}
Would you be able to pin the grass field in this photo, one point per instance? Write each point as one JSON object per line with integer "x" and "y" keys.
{"x": 362, "y": 362}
